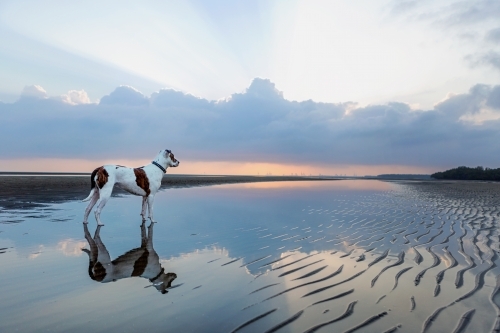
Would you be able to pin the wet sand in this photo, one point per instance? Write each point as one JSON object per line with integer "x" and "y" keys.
{"x": 30, "y": 191}
{"x": 409, "y": 257}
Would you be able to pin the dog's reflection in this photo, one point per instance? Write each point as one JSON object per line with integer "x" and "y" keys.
{"x": 142, "y": 261}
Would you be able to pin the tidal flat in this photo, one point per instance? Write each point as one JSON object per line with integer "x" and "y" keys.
{"x": 291, "y": 256}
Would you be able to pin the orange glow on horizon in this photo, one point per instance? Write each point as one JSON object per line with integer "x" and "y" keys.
{"x": 211, "y": 168}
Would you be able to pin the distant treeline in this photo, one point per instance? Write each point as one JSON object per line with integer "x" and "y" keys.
{"x": 465, "y": 173}
{"x": 404, "y": 176}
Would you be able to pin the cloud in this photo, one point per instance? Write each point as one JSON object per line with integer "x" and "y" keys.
{"x": 174, "y": 98}
{"x": 257, "y": 125}
{"x": 453, "y": 13}
{"x": 75, "y": 97}
{"x": 471, "y": 22}
{"x": 472, "y": 12}
{"x": 71, "y": 247}
{"x": 262, "y": 89}
{"x": 33, "y": 92}
{"x": 493, "y": 35}
{"x": 125, "y": 95}
{"x": 494, "y": 98}
{"x": 490, "y": 58}
{"x": 400, "y": 7}
{"x": 456, "y": 105}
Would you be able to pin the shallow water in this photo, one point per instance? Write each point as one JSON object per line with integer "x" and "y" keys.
{"x": 339, "y": 256}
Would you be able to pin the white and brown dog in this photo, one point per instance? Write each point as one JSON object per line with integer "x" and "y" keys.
{"x": 144, "y": 181}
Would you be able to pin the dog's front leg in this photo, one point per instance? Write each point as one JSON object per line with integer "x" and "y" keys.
{"x": 151, "y": 200}
{"x": 144, "y": 237}
{"x": 143, "y": 211}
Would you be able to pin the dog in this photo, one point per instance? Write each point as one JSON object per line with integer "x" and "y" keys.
{"x": 144, "y": 181}
{"x": 142, "y": 261}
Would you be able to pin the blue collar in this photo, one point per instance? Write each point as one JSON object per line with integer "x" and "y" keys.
{"x": 159, "y": 166}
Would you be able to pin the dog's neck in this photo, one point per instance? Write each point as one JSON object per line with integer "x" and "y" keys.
{"x": 159, "y": 166}
{"x": 160, "y": 162}
{"x": 157, "y": 276}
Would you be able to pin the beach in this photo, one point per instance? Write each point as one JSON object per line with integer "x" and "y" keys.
{"x": 29, "y": 191}
{"x": 291, "y": 256}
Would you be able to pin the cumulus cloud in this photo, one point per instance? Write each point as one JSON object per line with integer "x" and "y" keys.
{"x": 493, "y": 99}
{"x": 36, "y": 92}
{"x": 480, "y": 104}
{"x": 258, "y": 125}
{"x": 263, "y": 89}
{"x": 174, "y": 98}
{"x": 33, "y": 91}
{"x": 75, "y": 97}
{"x": 125, "y": 95}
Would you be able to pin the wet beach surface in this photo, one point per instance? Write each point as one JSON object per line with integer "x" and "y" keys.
{"x": 340, "y": 256}
{"x": 29, "y": 191}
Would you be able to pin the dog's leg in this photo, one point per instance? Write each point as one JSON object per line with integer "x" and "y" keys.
{"x": 143, "y": 211}
{"x": 103, "y": 255}
{"x": 93, "y": 247}
{"x": 144, "y": 237}
{"x": 150, "y": 237}
{"x": 91, "y": 204}
{"x": 151, "y": 200}
{"x": 104, "y": 194}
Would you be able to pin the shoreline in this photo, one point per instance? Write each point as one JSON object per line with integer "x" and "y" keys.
{"x": 26, "y": 191}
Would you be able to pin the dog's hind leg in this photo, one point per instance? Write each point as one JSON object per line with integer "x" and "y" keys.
{"x": 143, "y": 211}
{"x": 93, "y": 247}
{"x": 104, "y": 194}
{"x": 151, "y": 200}
{"x": 150, "y": 237}
{"x": 91, "y": 204}
{"x": 103, "y": 255}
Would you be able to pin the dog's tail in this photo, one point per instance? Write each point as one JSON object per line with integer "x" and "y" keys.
{"x": 90, "y": 195}
{"x": 92, "y": 185}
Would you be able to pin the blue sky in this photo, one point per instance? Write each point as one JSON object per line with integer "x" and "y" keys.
{"x": 310, "y": 86}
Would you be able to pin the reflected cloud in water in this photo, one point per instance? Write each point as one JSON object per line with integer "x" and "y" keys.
{"x": 36, "y": 254}
{"x": 71, "y": 247}
{"x": 142, "y": 261}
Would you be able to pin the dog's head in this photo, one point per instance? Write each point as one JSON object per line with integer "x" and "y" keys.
{"x": 169, "y": 158}
{"x": 164, "y": 282}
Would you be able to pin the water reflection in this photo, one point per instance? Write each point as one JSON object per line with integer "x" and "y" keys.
{"x": 287, "y": 260}
{"x": 142, "y": 261}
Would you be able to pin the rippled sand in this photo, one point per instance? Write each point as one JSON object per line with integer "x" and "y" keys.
{"x": 347, "y": 256}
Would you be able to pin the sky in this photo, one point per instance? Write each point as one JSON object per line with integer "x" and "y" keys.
{"x": 251, "y": 87}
